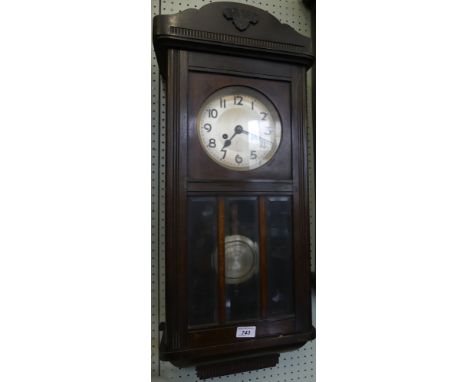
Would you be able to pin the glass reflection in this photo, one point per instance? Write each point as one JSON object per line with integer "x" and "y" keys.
{"x": 279, "y": 255}
{"x": 202, "y": 275}
{"x": 241, "y": 258}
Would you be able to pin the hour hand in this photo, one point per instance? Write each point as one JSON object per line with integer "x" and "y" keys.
{"x": 227, "y": 143}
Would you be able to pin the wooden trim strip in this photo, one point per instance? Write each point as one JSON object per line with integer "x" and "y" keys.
{"x": 263, "y": 257}
{"x": 221, "y": 268}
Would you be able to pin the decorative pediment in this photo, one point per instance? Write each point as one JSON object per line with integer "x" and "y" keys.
{"x": 220, "y": 27}
{"x": 241, "y": 18}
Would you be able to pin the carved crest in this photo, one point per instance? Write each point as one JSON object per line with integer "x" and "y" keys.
{"x": 241, "y": 18}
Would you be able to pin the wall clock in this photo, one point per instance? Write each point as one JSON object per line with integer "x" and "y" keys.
{"x": 237, "y": 209}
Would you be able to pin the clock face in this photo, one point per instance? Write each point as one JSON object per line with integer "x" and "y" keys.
{"x": 239, "y": 128}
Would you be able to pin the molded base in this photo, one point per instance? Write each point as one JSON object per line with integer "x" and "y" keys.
{"x": 236, "y": 366}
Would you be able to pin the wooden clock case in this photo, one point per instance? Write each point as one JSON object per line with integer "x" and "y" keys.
{"x": 200, "y": 51}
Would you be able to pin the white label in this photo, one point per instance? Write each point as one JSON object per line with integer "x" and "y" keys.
{"x": 245, "y": 332}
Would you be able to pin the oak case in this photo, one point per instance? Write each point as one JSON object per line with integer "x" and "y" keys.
{"x": 195, "y": 68}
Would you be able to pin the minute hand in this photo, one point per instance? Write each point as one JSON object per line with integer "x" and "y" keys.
{"x": 257, "y": 136}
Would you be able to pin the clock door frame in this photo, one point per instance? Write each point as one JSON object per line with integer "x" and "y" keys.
{"x": 204, "y": 83}
{"x": 181, "y": 345}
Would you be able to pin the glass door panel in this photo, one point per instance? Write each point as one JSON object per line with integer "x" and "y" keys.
{"x": 241, "y": 251}
{"x": 279, "y": 255}
{"x": 202, "y": 267}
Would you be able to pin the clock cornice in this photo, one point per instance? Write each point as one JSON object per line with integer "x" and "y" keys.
{"x": 231, "y": 28}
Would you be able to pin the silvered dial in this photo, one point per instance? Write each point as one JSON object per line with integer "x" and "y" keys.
{"x": 239, "y": 128}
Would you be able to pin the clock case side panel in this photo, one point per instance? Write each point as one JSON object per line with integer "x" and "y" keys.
{"x": 174, "y": 336}
{"x": 301, "y": 205}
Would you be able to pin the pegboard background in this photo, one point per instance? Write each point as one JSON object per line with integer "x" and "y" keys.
{"x": 293, "y": 366}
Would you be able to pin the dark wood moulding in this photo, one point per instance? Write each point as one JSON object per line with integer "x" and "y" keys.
{"x": 200, "y": 51}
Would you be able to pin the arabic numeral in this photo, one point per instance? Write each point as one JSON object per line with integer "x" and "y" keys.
{"x": 238, "y": 159}
{"x": 264, "y": 115}
{"x": 212, "y": 113}
{"x": 212, "y": 143}
{"x": 253, "y": 154}
{"x": 207, "y": 127}
{"x": 224, "y": 153}
{"x": 245, "y": 332}
{"x": 238, "y": 100}
{"x": 222, "y": 103}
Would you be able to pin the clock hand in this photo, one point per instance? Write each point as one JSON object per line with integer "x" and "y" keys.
{"x": 237, "y": 130}
{"x": 227, "y": 143}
